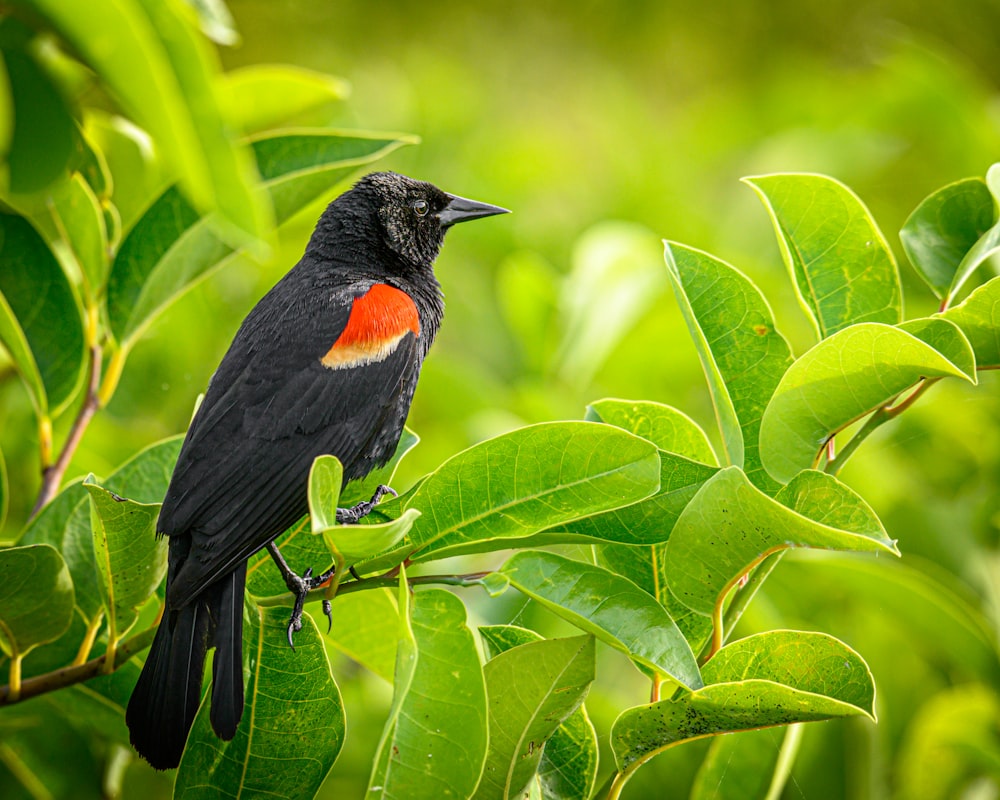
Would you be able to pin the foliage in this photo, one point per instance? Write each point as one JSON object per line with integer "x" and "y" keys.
{"x": 655, "y": 546}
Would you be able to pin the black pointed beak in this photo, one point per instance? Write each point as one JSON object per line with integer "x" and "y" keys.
{"x": 461, "y": 209}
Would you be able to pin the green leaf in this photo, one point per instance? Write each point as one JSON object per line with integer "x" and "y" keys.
{"x": 4, "y": 490}
{"x": 748, "y": 764}
{"x": 741, "y": 352}
{"x": 215, "y": 21}
{"x": 262, "y": 96}
{"x": 325, "y": 478}
{"x": 151, "y": 58}
{"x": 947, "y": 338}
{"x": 434, "y": 743}
{"x": 172, "y": 246}
{"x": 292, "y": 727}
{"x": 840, "y": 263}
{"x": 44, "y": 134}
{"x": 365, "y": 629}
{"x": 532, "y": 689}
{"x": 568, "y": 766}
{"x": 979, "y": 318}
{"x": 769, "y": 679}
{"x": 666, "y": 427}
{"x": 838, "y": 381}
{"x": 609, "y": 606}
{"x": 40, "y": 324}
{"x": 986, "y": 247}
{"x": 730, "y": 526}
{"x": 517, "y": 484}
{"x": 79, "y": 219}
{"x": 131, "y": 558}
{"x": 944, "y": 227}
{"x": 36, "y": 597}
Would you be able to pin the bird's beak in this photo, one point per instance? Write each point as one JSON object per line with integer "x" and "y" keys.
{"x": 461, "y": 209}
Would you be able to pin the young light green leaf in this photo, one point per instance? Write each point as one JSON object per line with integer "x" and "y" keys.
{"x": 979, "y": 318}
{"x": 435, "y": 740}
{"x": 838, "y": 381}
{"x": 365, "y": 628}
{"x": 840, "y": 263}
{"x": 36, "y": 597}
{"x": 152, "y": 60}
{"x": 215, "y": 21}
{"x": 947, "y": 338}
{"x": 513, "y": 486}
{"x": 666, "y": 427}
{"x": 131, "y": 559}
{"x": 770, "y": 679}
{"x": 79, "y": 220}
{"x": 609, "y": 606}
{"x": 532, "y": 689}
{"x": 292, "y": 727}
{"x": 171, "y": 246}
{"x": 40, "y": 323}
{"x": 944, "y": 227}
{"x": 567, "y": 769}
{"x": 748, "y": 764}
{"x": 262, "y": 96}
{"x": 986, "y": 247}
{"x": 741, "y": 352}
{"x": 325, "y": 478}
{"x": 730, "y": 525}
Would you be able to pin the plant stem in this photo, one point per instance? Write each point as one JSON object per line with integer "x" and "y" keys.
{"x": 76, "y": 673}
{"x": 52, "y": 475}
{"x": 379, "y": 582}
{"x": 88, "y": 640}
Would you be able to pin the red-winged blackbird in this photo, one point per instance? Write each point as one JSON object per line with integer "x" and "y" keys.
{"x": 326, "y": 362}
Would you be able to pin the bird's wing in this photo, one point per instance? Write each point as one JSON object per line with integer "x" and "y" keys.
{"x": 271, "y": 408}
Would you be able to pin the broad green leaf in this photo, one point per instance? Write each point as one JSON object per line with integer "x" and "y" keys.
{"x": 944, "y": 227}
{"x": 44, "y": 135}
{"x": 840, "y": 263}
{"x": 947, "y": 338}
{"x": 36, "y": 597}
{"x": 517, "y": 484}
{"x": 666, "y": 427}
{"x": 292, "y": 727}
{"x": 568, "y": 766}
{"x": 730, "y": 526}
{"x": 838, "y": 381}
{"x": 769, "y": 679}
{"x": 171, "y": 246}
{"x": 151, "y": 58}
{"x": 40, "y": 324}
{"x": 614, "y": 280}
{"x": 649, "y": 521}
{"x": 131, "y": 559}
{"x": 979, "y": 318}
{"x": 365, "y": 626}
{"x": 364, "y": 489}
{"x": 262, "y": 96}
{"x": 951, "y": 744}
{"x": 741, "y": 352}
{"x": 749, "y": 764}
{"x": 355, "y": 543}
{"x": 532, "y": 689}
{"x": 435, "y": 740}
{"x": 80, "y": 222}
{"x": 988, "y": 244}
{"x": 609, "y": 606}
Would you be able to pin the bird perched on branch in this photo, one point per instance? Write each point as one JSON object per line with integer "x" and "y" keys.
{"x": 326, "y": 362}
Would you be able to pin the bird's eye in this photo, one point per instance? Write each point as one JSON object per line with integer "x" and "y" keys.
{"x": 421, "y": 208}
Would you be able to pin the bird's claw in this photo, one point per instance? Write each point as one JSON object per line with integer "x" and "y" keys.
{"x": 329, "y": 615}
{"x": 348, "y": 516}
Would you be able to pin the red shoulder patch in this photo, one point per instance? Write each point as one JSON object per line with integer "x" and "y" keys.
{"x": 379, "y": 319}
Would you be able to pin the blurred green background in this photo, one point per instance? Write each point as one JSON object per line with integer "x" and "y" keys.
{"x": 606, "y": 127}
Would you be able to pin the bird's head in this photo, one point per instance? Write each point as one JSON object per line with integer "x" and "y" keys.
{"x": 413, "y": 216}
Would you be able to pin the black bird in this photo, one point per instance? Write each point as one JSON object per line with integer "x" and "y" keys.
{"x": 326, "y": 362}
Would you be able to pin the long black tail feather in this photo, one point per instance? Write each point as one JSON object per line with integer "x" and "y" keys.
{"x": 166, "y": 697}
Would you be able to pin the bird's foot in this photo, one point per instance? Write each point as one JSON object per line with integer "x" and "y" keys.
{"x": 300, "y": 586}
{"x": 348, "y": 516}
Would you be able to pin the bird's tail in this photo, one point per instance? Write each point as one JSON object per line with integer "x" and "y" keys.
{"x": 166, "y": 697}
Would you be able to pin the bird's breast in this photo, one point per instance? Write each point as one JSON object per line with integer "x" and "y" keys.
{"x": 379, "y": 320}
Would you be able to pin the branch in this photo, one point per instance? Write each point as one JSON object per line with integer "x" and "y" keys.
{"x": 67, "y": 676}
{"x": 52, "y": 476}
